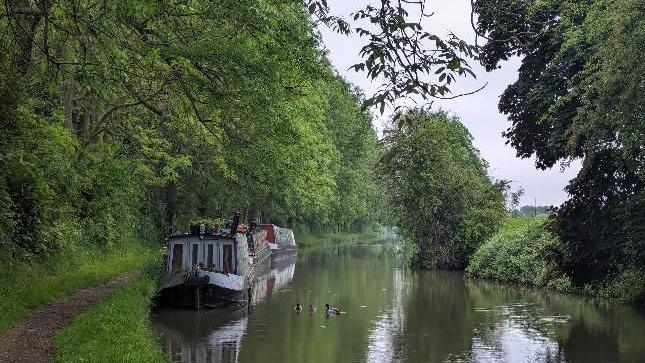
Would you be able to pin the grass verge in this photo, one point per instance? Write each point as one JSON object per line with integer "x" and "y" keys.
{"x": 28, "y": 285}
{"x": 115, "y": 330}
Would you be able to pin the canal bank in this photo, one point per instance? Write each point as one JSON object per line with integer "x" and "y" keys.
{"x": 523, "y": 252}
{"x": 60, "y": 305}
{"x": 118, "y": 329}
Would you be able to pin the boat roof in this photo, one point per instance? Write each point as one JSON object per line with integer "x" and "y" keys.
{"x": 207, "y": 236}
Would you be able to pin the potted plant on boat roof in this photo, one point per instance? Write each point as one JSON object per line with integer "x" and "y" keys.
{"x": 210, "y": 225}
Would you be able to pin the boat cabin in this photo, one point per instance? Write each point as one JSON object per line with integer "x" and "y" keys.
{"x": 207, "y": 252}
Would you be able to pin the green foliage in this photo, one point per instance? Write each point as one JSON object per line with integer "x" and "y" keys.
{"x": 28, "y": 285}
{"x": 127, "y": 120}
{"x": 516, "y": 253}
{"x": 628, "y": 287}
{"x": 217, "y": 222}
{"x": 407, "y": 59}
{"x": 524, "y": 251}
{"x": 579, "y": 95}
{"x": 122, "y": 320}
{"x": 444, "y": 203}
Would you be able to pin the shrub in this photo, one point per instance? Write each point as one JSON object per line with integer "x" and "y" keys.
{"x": 516, "y": 254}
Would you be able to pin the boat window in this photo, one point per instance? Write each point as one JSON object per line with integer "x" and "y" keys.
{"x": 177, "y": 257}
{"x": 227, "y": 258}
{"x": 210, "y": 258}
{"x": 195, "y": 254}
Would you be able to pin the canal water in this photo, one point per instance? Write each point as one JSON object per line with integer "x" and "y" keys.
{"x": 394, "y": 314}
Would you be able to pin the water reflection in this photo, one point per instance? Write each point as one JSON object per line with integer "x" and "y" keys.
{"x": 215, "y": 336}
{"x": 394, "y": 314}
{"x": 384, "y": 342}
{"x": 190, "y": 336}
{"x": 278, "y": 277}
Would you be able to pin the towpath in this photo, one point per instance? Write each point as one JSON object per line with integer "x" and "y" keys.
{"x": 32, "y": 339}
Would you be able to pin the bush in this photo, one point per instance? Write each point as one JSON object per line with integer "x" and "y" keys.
{"x": 627, "y": 287}
{"x": 517, "y": 254}
{"x": 524, "y": 251}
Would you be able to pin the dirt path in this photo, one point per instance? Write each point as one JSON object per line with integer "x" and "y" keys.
{"x": 32, "y": 339}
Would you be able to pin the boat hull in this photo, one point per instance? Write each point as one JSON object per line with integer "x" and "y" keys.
{"x": 207, "y": 289}
{"x": 203, "y": 296}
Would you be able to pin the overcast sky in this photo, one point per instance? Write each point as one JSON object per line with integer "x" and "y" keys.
{"x": 478, "y": 112}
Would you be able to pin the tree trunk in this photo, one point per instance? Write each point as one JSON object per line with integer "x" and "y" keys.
{"x": 25, "y": 32}
{"x": 69, "y": 93}
{"x": 171, "y": 206}
{"x": 87, "y": 120}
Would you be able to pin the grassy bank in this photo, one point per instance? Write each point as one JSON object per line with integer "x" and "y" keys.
{"x": 27, "y": 285}
{"x": 317, "y": 239}
{"x": 115, "y": 330}
{"x": 520, "y": 253}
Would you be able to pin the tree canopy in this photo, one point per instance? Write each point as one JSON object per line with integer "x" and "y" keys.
{"x": 124, "y": 119}
{"x": 443, "y": 200}
{"x": 579, "y": 95}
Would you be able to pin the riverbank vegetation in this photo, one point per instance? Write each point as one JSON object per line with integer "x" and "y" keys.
{"x": 519, "y": 253}
{"x": 29, "y": 284}
{"x": 123, "y": 122}
{"x": 444, "y": 202}
{"x": 524, "y": 252}
{"x": 452, "y": 215}
{"x": 116, "y": 330}
{"x": 578, "y": 96}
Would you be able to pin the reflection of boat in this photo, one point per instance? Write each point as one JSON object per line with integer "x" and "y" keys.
{"x": 283, "y": 268}
{"x": 214, "y": 267}
{"x": 210, "y": 336}
{"x": 216, "y": 335}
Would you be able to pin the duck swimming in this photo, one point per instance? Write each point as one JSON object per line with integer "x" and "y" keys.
{"x": 312, "y": 308}
{"x": 331, "y": 311}
{"x": 298, "y": 308}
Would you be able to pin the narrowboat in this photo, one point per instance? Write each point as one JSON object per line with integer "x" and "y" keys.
{"x": 279, "y": 237}
{"x": 214, "y": 267}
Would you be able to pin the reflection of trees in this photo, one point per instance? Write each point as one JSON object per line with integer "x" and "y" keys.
{"x": 439, "y": 322}
{"x": 411, "y": 316}
{"x": 552, "y": 326}
{"x": 325, "y": 277}
{"x": 384, "y": 341}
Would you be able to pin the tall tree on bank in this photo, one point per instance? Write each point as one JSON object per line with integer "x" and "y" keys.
{"x": 123, "y": 119}
{"x": 579, "y": 95}
{"x": 444, "y": 202}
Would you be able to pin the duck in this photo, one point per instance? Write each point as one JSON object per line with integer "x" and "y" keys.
{"x": 331, "y": 311}
{"x": 298, "y": 308}
{"x": 312, "y": 308}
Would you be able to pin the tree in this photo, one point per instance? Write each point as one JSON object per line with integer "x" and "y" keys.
{"x": 444, "y": 202}
{"x": 579, "y": 95}
{"x": 125, "y": 120}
